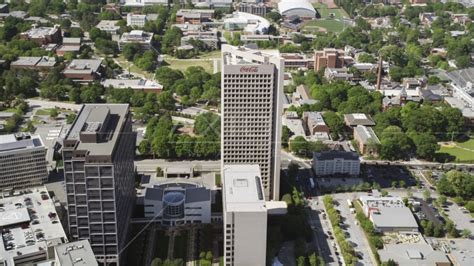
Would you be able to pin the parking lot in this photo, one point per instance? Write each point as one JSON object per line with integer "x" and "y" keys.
{"x": 385, "y": 175}
{"x": 429, "y": 212}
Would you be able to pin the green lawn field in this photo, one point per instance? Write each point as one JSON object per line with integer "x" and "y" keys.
{"x": 463, "y": 151}
{"x": 330, "y": 25}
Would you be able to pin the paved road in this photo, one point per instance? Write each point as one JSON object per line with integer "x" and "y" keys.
{"x": 356, "y": 235}
{"x": 321, "y": 227}
{"x": 51, "y": 104}
{"x": 149, "y": 165}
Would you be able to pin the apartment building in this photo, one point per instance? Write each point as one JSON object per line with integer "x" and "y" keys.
{"x": 330, "y": 58}
{"x": 259, "y": 9}
{"x": 22, "y": 161}
{"x": 245, "y": 216}
{"x": 252, "y": 88}
{"x": 328, "y": 163}
{"x": 98, "y": 154}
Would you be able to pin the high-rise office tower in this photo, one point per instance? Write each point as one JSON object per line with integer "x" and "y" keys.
{"x": 245, "y": 216}
{"x": 98, "y": 157}
{"x": 252, "y": 91}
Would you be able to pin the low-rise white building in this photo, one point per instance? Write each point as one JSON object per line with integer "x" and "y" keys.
{"x": 328, "y": 163}
{"x": 388, "y": 214}
{"x": 136, "y": 20}
{"x": 137, "y": 36}
{"x": 245, "y": 216}
{"x": 109, "y": 26}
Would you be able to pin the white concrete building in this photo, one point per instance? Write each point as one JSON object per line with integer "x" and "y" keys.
{"x": 136, "y": 36}
{"x": 22, "y": 161}
{"x": 251, "y": 95}
{"x": 247, "y": 22}
{"x": 336, "y": 163}
{"x": 388, "y": 214}
{"x": 136, "y": 20}
{"x": 301, "y": 8}
{"x": 245, "y": 216}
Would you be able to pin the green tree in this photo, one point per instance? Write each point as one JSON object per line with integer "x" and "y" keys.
{"x": 300, "y": 146}
{"x": 54, "y": 113}
{"x": 394, "y": 144}
{"x": 144, "y": 147}
{"x": 184, "y": 146}
{"x": 166, "y": 101}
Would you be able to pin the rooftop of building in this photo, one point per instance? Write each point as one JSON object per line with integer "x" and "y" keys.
{"x": 131, "y": 83}
{"x": 30, "y": 223}
{"x": 183, "y": 12}
{"x": 83, "y": 66}
{"x": 315, "y": 118}
{"x": 31, "y": 61}
{"x": 110, "y": 25}
{"x": 19, "y": 141}
{"x": 332, "y": 155}
{"x": 107, "y": 119}
{"x": 75, "y": 253}
{"x": 71, "y": 40}
{"x": 176, "y": 191}
{"x": 136, "y": 36}
{"x": 389, "y": 212}
{"x": 41, "y": 32}
{"x": 239, "y": 55}
{"x": 462, "y": 77}
{"x": 359, "y": 119}
{"x": 413, "y": 254}
{"x": 287, "y": 5}
{"x": 253, "y": 22}
{"x": 366, "y": 134}
{"x": 243, "y": 188}
{"x": 295, "y": 126}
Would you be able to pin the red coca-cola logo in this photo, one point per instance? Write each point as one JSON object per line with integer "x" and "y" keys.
{"x": 246, "y": 69}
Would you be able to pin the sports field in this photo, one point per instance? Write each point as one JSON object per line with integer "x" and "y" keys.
{"x": 331, "y": 19}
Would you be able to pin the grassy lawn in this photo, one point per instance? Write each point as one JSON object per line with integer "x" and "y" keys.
{"x": 463, "y": 151}
{"x": 324, "y": 11}
{"x": 183, "y": 64}
{"x": 10, "y": 110}
{"x": 44, "y": 111}
{"x": 330, "y": 25}
{"x": 133, "y": 68}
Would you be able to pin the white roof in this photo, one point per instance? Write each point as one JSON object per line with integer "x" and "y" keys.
{"x": 243, "y": 188}
{"x": 287, "y": 5}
